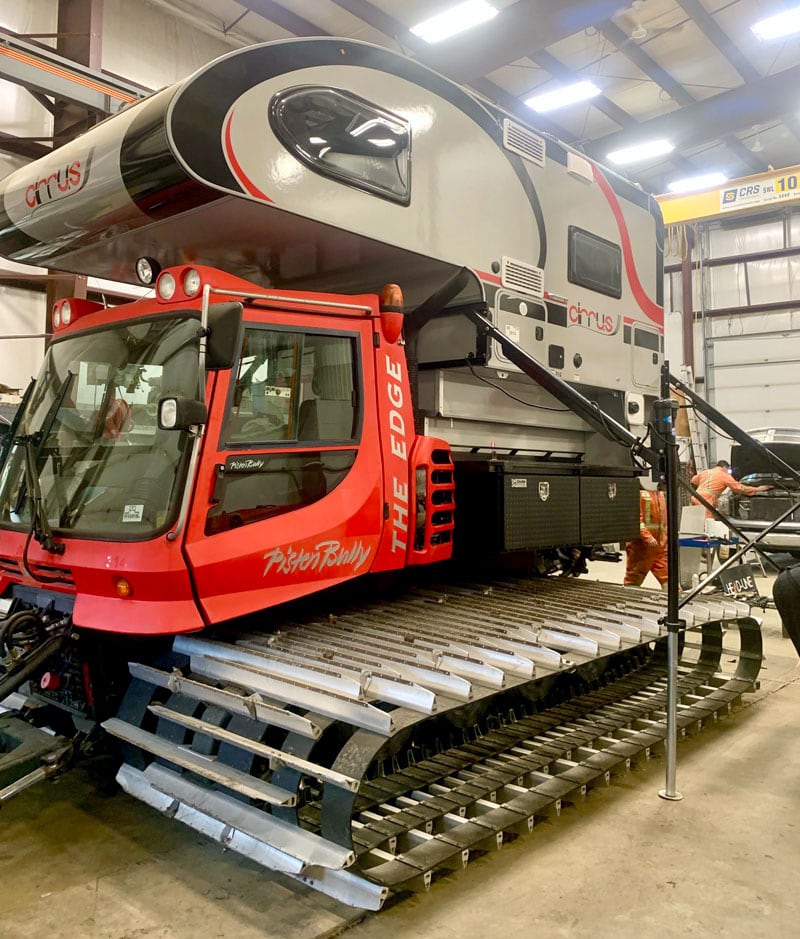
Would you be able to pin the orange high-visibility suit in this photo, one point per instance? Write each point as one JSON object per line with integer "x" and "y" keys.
{"x": 711, "y": 483}
{"x": 648, "y": 552}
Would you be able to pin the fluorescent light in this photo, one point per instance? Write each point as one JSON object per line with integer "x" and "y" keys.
{"x": 455, "y": 20}
{"x": 642, "y": 151}
{"x": 561, "y": 97}
{"x": 779, "y": 25}
{"x": 694, "y": 183}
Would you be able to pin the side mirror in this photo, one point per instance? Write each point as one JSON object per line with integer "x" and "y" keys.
{"x": 224, "y": 329}
{"x": 177, "y": 413}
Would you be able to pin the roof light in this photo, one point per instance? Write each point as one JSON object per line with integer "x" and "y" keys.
{"x": 191, "y": 282}
{"x": 561, "y": 97}
{"x": 779, "y": 25}
{"x": 147, "y": 269}
{"x": 457, "y": 19}
{"x": 165, "y": 286}
{"x": 68, "y": 312}
{"x": 642, "y": 151}
{"x": 391, "y": 307}
{"x": 695, "y": 183}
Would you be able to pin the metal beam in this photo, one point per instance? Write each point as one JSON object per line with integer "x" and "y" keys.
{"x": 700, "y": 121}
{"x": 284, "y": 18}
{"x": 603, "y": 104}
{"x": 645, "y": 64}
{"x": 45, "y": 102}
{"x": 43, "y": 71}
{"x": 517, "y": 31}
{"x": 383, "y": 22}
{"x": 20, "y": 146}
{"x": 718, "y": 37}
{"x": 562, "y": 72}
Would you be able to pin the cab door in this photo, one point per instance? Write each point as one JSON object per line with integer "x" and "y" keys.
{"x": 289, "y": 488}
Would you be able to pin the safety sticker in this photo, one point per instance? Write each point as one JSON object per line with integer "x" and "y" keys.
{"x": 132, "y": 513}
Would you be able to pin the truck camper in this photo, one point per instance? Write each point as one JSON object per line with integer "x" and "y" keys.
{"x": 349, "y": 256}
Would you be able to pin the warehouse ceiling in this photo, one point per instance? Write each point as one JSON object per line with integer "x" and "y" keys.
{"x": 691, "y": 72}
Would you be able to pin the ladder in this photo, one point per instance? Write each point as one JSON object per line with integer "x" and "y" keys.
{"x": 699, "y": 452}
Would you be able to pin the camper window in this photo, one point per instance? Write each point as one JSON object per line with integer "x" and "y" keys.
{"x": 340, "y": 135}
{"x": 594, "y": 262}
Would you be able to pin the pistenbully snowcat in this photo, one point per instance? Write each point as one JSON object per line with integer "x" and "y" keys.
{"x": 350, "y": 257}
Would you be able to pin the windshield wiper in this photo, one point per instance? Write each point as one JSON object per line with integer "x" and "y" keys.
{"x": 34, "y": 444}
{"x": 40, "y": 526}
{"x": 12, "y": 430}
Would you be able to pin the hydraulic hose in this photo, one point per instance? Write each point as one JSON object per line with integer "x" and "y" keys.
{"x": 10, "y": 625}
{"x": 30, "y": 663}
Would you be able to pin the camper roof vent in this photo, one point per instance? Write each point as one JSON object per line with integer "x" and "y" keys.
{"x": 516, "y": 275}
{"x": 520, "y": 140}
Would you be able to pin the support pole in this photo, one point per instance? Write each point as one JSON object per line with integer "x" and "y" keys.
{"x": 665, "y": 412}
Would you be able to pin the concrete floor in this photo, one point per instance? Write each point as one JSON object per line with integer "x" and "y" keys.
{"x": 723, "y": 862}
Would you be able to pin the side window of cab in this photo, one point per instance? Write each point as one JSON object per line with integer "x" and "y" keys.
{"x": 293, "y": 423}
{"x": 293, "y": 387}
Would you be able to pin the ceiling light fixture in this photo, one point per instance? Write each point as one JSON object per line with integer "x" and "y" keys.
{"x": 639, "y": 32}
{"x": 561, "y": 97}
{"x": 757, "y": 145}
{"x": 779, "y": 25}
{"x": 695, "y": 183}
{"x": 642, "y": 151}
{"x": 461, "y": 17}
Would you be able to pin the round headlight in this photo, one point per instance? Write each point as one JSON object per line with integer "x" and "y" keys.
{"x": 66, "y": 313}
{"x": 191, "y": 282}
{"x": 57, "y": 316}
{"x": 147, "y": 269}
{"x": 166, "y": 286}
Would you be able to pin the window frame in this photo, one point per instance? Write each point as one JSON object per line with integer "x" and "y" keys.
{"x": 225, "y": 444}
{"x": 323, "y": 169}
{"x": 574, "y": 276}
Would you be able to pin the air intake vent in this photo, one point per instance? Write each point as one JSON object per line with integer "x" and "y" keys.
{"x": 522, "y": 141}
{"x": 525, "y": 278}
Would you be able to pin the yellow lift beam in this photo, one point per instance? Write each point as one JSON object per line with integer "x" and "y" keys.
{"x": 748, "y": 194}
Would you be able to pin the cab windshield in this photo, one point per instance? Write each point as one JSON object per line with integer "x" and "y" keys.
{"x": 90, "y": 432}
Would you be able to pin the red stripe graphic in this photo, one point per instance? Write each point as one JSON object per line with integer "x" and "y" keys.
{"x": 240, "y": 174}
{"x": 651, "y": 310}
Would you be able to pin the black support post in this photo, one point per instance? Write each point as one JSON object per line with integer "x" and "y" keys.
{"x": 663, "y": 434}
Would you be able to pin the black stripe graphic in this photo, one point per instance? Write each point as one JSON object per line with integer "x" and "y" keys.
{"x": 201, "y": 105}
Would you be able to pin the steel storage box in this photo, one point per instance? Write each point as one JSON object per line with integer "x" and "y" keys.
{"x": 525, "y": 510}
{"x": 609, "y": 509}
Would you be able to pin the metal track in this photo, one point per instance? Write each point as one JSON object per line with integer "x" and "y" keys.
{"x": 363, "y": 752}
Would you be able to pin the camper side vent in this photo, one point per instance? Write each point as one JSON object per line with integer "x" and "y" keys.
{"x": 516, "y": 275}
{"x": 520, "y": 140}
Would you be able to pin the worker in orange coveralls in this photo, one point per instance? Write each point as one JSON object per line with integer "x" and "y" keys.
{"x": 711, "y": 483}
{"x": 648, "y": 552}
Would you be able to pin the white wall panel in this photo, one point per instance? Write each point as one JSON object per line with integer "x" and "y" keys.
{"x": 756, "y": 381}
{"x": 728, "y": 241}
{"x": 154, "y": 48}
{"x": 21, "y": 313}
